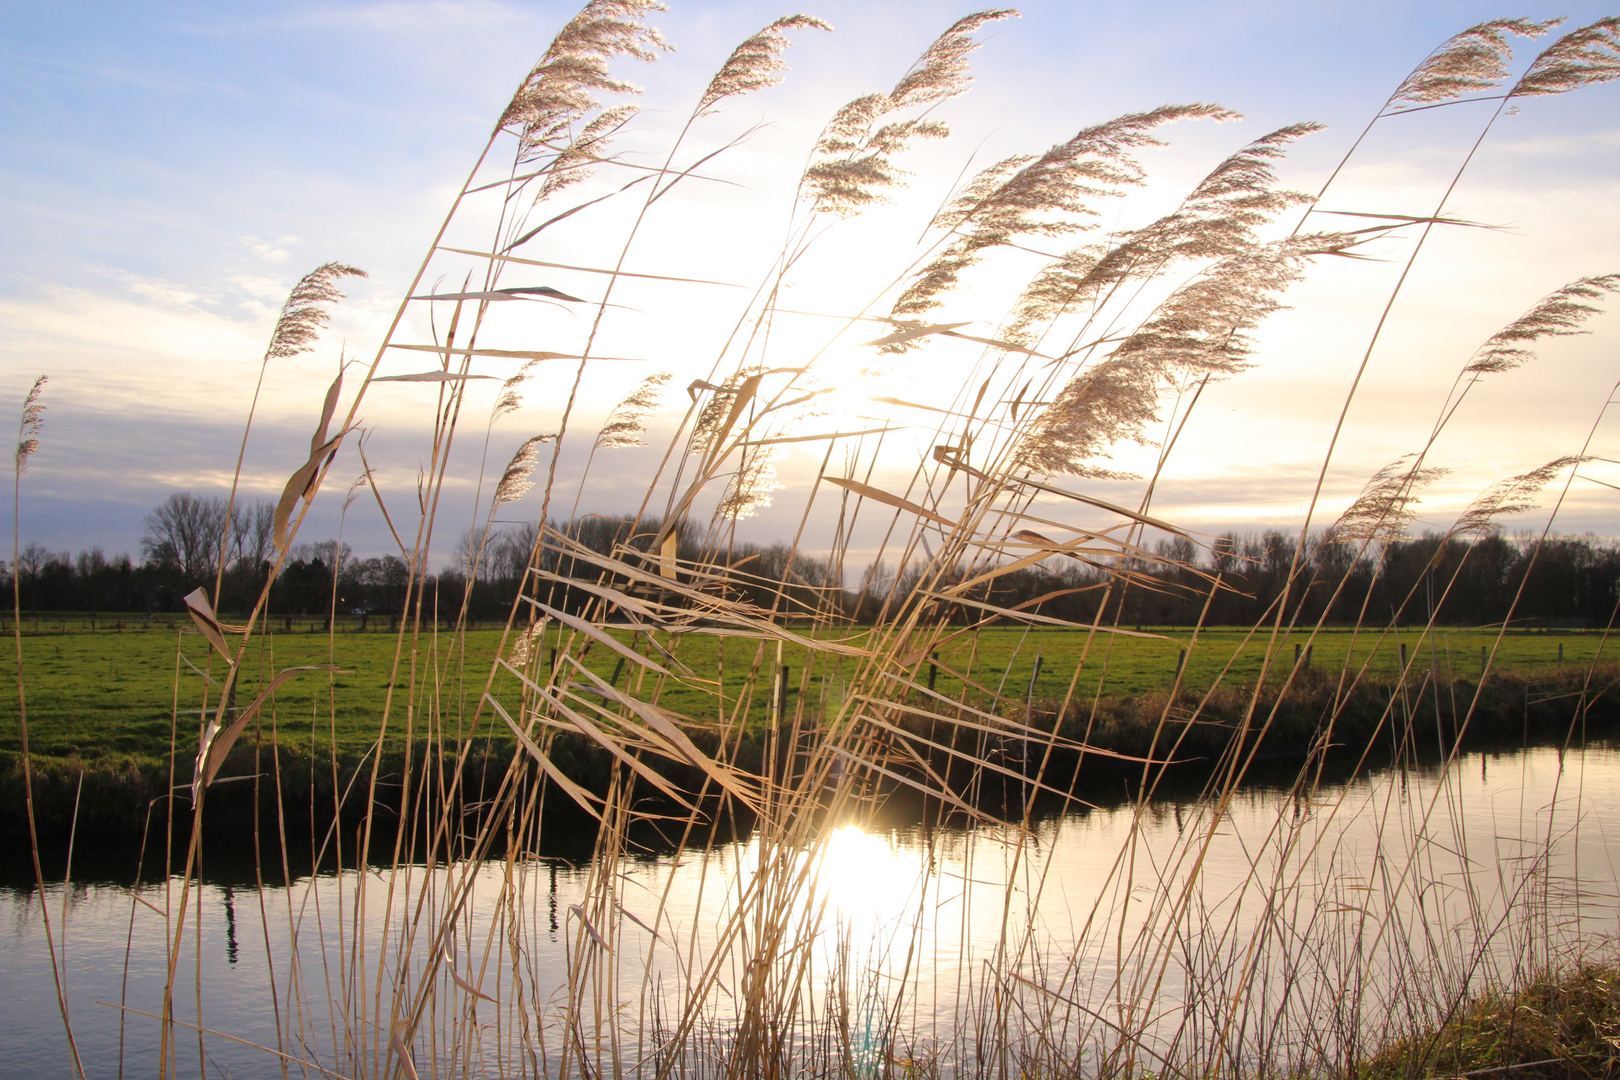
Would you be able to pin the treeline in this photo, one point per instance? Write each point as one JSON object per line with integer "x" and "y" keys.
{"x": 1571, "y": 581}
{"x": 188, "y": 539}
{"x": 488, "y": 570}
{"x": 187, "y": 536}
{"x": 1239, "y": 580}
{"x": 1243, "y": 580}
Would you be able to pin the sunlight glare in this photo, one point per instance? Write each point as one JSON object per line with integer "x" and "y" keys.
{"x": 869, "y": 883}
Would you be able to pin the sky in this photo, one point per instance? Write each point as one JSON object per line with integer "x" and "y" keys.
{"x": 169, "y": 170}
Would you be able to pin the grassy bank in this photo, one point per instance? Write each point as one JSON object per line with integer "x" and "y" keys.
{"x": 108, "y": 744}
{"x": 106, "y": 693}
{"x": 1558, "y": 1024}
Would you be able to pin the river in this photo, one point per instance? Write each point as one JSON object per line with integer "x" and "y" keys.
{"x": 1279, "y": 927}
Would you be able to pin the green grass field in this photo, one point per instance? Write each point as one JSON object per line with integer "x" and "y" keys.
{"x": 109, "y": 692}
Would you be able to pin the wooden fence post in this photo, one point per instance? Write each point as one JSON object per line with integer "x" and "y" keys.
{"x": 1036, "y": 674}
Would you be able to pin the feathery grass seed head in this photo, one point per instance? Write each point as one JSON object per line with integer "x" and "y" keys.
{"x": 1511, "y": 496}
{"x": 1559, "y": 314}
{"x": 1204, "y": 327}
{"x": 1201, "y": 329}
{"x": 1042, "y": 196}
{"x": 304, "y": 313}
{"x": 752, "y": 485}
{"x": 628, "y": 420}
{"x": 515, "y": 482}
{"x": 1472, "y": 61}
{"x": 1386, "y": 506}
{"x": 712, "y": 417}
{"x": 509, "y": 400}
{"x": 942, "y": 71}
{"x": 754, "y": 64}
{"x": 1110, "y": 401}
{"x": 855, "y": 156}
{"x": 1217, "y": 219}
{"x": 559, "y": 92}
{"x": 33, "y": 419}
{"x": 1583, "y": 57}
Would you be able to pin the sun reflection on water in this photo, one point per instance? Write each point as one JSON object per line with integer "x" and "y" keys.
{"x": 871, "y": 882}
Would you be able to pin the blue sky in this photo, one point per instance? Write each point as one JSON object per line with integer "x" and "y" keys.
{"x": 169, "y": 169}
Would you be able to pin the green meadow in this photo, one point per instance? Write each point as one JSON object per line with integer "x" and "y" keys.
{"x": 94, "y": 693}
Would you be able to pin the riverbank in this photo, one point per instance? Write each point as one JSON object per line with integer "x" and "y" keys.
{"x": 93, "y": 693}
{"x": 292, "y": 788}
{"x": 1562, "y": 1025}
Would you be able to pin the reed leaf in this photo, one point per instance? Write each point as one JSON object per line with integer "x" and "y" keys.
{"x": 580, "y": 796}
{"x": 208, "y": 624}
{"x": 867, "y": 491}
{"x": 595, "y": 633}
{"x": 218, "y": 739}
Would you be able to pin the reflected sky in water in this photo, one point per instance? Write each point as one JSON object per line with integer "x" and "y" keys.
{"x": 1295, "y": 906}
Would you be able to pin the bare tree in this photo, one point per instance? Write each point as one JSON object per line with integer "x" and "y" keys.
{"x": 335, "y": 557}
{"x": 183, "y": 535}
{"x": 252, "y": 528}
{"x": 511, "y": 550}
{"x": 30, "y": 561}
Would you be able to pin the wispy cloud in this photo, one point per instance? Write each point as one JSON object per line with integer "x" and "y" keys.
{"x": 388, "y": 16}
{"x": 271, "y": 250}
{"x": 32, "y": 67}
{"x": 164, "y": 293}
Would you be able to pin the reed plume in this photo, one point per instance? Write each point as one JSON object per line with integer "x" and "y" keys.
{"x": 1584, "y": 57}
{"x": 1386, "y": 505}
{"x": 854, "y": 157}
{"x": 305, "y": 310}
{"x": 1471, "y": 62}
{"x": 1205, "y": 326}
{"x": 559, "y": 95}
{"x": 628, "y": 420}
{"x": 1218, "y": 218}
{"x": 1559, "y": 314}
{"x": 751, "y": 486}
{"x": 1202, "y": 329}
{"x": 1111, "y": 401}
{"x": 1040, "y": 196}
{"x": 515, "y": 482}
{"x": 756, "y": 63}
{"x": 1514, "y": 495}
{"x": 28, "y": 428}
{"x": 725, "y": 399}
{"x": 509, "y": 400}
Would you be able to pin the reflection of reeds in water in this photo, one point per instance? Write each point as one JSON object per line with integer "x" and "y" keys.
{"x": 424, "y": 961}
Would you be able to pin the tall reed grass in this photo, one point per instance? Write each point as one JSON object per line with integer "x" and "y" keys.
{"x": 429, "y": 965}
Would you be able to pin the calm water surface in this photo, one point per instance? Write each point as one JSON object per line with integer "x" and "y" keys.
{"x": 1430, "y": 874}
